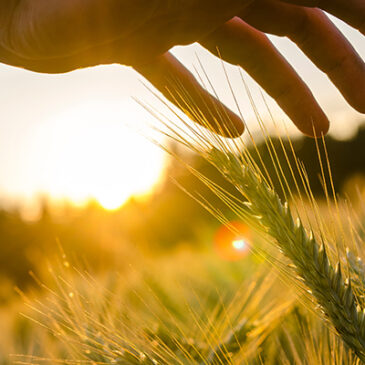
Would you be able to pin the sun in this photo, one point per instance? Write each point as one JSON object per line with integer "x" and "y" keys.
{"x": 110, "y": 201}
{"x": 92, "y": 153}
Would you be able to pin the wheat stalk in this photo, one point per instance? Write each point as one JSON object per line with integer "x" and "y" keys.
{"x": 311, "y": 262}
{"x": 232, "y": 344}
{"x": 264, "y": 209}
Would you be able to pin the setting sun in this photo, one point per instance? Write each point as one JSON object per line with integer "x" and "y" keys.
{"x": 92, "y": 154}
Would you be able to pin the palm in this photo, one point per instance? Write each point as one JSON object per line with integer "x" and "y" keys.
{"x": 132, "y": 30}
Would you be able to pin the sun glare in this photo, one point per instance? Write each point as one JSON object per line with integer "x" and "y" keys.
{"x": 92, "y": 154}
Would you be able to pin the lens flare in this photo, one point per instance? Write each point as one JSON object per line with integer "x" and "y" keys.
{"x": 239, "y": 244}
{"x": 232, "y": 241}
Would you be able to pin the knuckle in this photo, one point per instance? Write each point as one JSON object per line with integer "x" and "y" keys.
{"x": 299, "y": 31}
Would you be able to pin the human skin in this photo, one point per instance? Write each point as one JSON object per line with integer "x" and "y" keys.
{"x": 53, "y": 36}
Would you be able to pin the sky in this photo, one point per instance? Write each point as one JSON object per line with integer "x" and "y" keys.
{"x": 78, "y": 135}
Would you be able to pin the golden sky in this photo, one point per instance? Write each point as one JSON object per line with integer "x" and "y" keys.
{"x": 66, "y": 135}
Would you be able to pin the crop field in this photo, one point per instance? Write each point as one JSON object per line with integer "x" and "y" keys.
{"x": 273, "y": 276}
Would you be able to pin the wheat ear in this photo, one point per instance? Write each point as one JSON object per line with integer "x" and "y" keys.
{"x": 326, "y": 283}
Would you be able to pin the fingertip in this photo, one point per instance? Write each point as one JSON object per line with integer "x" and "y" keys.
{"x": 349, "y": 78}
{"x": 178, "y": 84}
{"x": 304, "y": 111}
{"x": 239, "y": 129}
{"x": 357, "y": 100}
{"x": 315, "y": 125}
{"x": 223, "y": 122}
{"x": 234, "y": 125}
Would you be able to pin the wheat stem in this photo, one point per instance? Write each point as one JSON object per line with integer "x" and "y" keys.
{"x": 326, "y": 282}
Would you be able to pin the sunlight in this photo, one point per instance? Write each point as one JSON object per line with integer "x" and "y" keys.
{"x": 92, "y": 154}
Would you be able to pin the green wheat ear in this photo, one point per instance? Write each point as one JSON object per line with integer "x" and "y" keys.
{"x": 327, "y": 284}
{"x": 338, "y": 294}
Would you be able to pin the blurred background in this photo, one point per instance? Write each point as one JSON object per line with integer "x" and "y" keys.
{"x": 76, "y": 173}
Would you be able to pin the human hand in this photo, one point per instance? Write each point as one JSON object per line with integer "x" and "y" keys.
{"x": 55, "y": 36}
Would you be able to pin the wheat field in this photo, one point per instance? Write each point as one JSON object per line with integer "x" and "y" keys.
{"x": 295, "y": 294}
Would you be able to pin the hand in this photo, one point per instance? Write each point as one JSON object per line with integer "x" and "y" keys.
{"x": 56, "y": 36}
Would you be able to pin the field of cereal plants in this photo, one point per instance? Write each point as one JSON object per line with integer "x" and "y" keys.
{"x": 291, "y": 290}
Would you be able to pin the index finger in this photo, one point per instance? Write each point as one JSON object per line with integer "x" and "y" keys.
{"x": 178, "y": 85}
{"x": 350, "y": 11}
